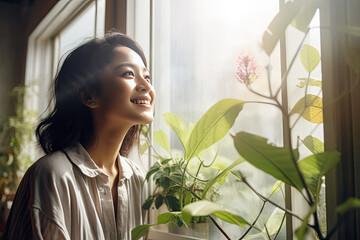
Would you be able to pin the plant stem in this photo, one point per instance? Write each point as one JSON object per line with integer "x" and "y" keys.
{"x": 182, "y": 185}
{"x": 268, "y": 200}
{"x": 218, "y": 226}
{"x": 153, "y": 148}
{"x": 252, "y": 225}
{"x": 282, "y": 222}
{"x": 283, "y": 79}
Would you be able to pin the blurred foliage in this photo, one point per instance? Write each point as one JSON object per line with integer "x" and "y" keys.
{"x": 17, "y": 131}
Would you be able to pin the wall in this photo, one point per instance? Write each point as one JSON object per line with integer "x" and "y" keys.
{"x": 9, "y": 55}
{"x": 17, "y": 21}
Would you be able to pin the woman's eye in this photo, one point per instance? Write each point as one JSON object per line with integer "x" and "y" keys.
{"x": 128, "y": 73}
{"x": 148, "y": 78}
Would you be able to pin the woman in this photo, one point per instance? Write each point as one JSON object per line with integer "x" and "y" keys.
{"x": 83, "y": 188}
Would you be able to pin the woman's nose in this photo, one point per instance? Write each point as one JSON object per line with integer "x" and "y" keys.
{"x": 143, "y": 85}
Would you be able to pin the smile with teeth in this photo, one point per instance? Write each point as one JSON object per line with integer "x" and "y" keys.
{"x": 141, "y": 101}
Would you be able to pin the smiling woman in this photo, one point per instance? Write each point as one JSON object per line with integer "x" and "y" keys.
{"x": 85, "y": 187}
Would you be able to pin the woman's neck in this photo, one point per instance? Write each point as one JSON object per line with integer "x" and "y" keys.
{"x": 104, "y": 148}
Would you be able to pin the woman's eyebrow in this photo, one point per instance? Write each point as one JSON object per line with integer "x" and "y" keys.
{"x": 128, "y": 65}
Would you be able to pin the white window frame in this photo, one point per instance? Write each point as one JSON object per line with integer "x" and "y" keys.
{"x": 40, "y": 66}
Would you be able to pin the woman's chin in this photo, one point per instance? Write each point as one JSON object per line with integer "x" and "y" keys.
{"x": 147, "y": 118}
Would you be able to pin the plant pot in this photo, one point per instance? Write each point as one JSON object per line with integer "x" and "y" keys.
{"x": 200, "y": 230}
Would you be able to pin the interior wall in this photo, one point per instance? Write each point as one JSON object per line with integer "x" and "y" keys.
{"x": 17, "y": 21}
{"x": 9, "y": 58}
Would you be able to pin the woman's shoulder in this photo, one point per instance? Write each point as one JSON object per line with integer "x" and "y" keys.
{"x": 55, "y": 162}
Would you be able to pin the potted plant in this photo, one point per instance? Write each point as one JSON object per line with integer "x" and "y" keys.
{"x": 175, "y": 186}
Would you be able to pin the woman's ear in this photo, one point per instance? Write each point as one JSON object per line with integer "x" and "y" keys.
{"x": 87, "y": 98}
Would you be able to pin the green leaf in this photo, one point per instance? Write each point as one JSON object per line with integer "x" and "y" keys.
{"x": 162, "y": 140}
{"x": 159, "y": 174}
{"x": 306, "y": 14}
{"x": 221, "y": 176}
{"x": 165, "y": 161}
{"x": 166, "y": 217}
{"x": 151, "y": 171}
{"x": 176, "y": 177}
{"x": 172, "y": 203}
{"x": 147, "y": 203}
{"x": 348, "y": 205}
{"x": 274, "y": 222}
{"x": 191, "y": 126}
{"x": 310, "y": 82}
{"x": 310, "y": 108}
{"x": 159, "y": 201}
{"x": 144, "y": 130}
{"x": 213, "y": 126}
{"x": 219, "y": 165}
{"x": 205, "y": 208}
{"x": 277, "y": 186}
{"x": 143, "y": 148}
{"x": 313, "y": 144}
{"x": 302, "y": 230}
{"x": 309, "y": 57}
{"x": 278, "y": 25}
{"x": 163, "y": 182}
{"x": 178, "y": 126}
{"x": 188, "y": 197}
{"x": 167, "y": 170}
{"x": 140, "y": 231}
{"x": 268, "y": 158}
{"x": 315, "y": 166}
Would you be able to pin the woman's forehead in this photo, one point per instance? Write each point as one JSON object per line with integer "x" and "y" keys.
{"x": 125, "y": 54}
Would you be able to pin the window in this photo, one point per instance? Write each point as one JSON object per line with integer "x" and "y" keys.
{"x": 195, "y": 48}
{"x": 67, "y": 25}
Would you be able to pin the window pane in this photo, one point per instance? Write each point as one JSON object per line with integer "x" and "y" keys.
{"x": 197, "y": 48}
{"x": 304, "y": 130}
{"x": 82, "y": 28}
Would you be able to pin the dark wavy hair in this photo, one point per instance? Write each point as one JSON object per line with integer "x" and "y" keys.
{"x": 71, "y": 121}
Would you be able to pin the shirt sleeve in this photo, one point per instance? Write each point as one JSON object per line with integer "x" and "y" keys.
{"x": 46, "y": 228}
{"x": 37, "y": 211}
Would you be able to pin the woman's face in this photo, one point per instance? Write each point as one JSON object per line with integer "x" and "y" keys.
{"x": 127, "y": 95}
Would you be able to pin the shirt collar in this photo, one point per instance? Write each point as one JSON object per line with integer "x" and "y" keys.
{"x": 126, "y": 170}
{"x": 81, "y": 158}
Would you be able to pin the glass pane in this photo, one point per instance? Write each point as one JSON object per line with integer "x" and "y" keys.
{"x": 197, "y": 47}
{"x": 303, "y": 130}
{"x": 79, "y": 30}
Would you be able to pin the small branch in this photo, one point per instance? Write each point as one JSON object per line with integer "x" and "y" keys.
{"x": 212, "y": 162}
{"x": 260, "y": 102}
{"x": 267, "y": 232}
{"x": 257, "y": 93}
{"x": 268, "y": 200}
{"x": 282, "y": 222}
{"x": 253, "y": 224}
{"x": 219, "y": 227}
{"x": 283, "y": 79}
{"x": 195, "y": 177}
{"x": 153, "y": 148}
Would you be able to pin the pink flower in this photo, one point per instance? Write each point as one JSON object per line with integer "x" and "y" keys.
{"x": 247, "y": 69}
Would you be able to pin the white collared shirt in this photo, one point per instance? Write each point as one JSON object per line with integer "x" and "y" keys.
{"x": 64, "y": 195}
